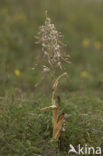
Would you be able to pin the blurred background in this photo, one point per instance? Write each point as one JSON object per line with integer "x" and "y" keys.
{"x": 80, "y": 22}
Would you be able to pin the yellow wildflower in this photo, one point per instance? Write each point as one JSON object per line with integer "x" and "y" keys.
{"x": 85, "y": 42}
{"x": 97, "y": 45}
{"x": 17, "y": 72}
{"x": 83, "y": 140}
{"x": 84, "y": 74}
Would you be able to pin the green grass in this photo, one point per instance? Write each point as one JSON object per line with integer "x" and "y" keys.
{"x": 24, "y": 129}
{"x": 27, "y": 131}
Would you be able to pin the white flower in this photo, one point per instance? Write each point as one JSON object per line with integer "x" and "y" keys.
{"x": 46, "y": 69}
{"x": 51, "y": 44}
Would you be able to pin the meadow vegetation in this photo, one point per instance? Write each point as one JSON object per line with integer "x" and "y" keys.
{"x": 24, "y": 89}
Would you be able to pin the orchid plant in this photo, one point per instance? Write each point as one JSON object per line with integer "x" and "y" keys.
{"x": 52, "y": 49}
